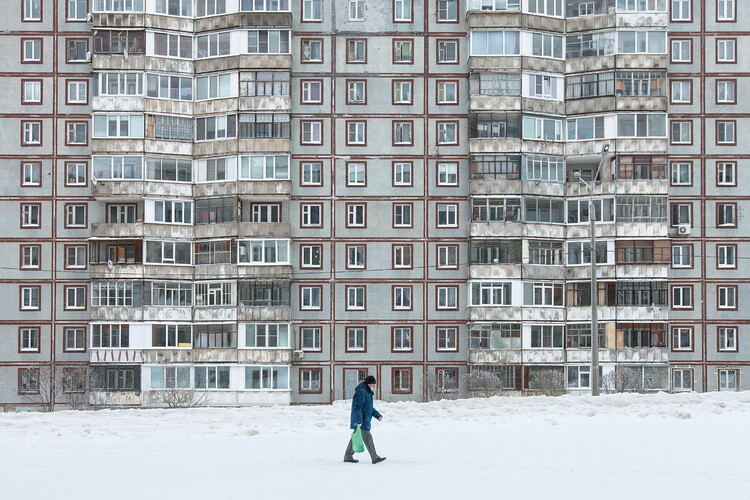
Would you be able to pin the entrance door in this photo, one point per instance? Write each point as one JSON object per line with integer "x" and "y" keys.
{"x": 352, "y": 378}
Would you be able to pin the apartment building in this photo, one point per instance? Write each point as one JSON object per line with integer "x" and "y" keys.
{"x": 235, "y": 202}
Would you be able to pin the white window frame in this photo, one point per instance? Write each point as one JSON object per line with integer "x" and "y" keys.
{"x": 682, "y": 51}
{"x": 446, "y": 339}
{"x": 725, "y": 88}
{"x": 725, "y": 10}
{"x": 314, "y": 335}
{"x": 447, "y": 297}
{"x": 684, "y": 134}
{"x": 727, "y": 338}
{"x": 312, "y": 132}
{"x": 398, "y": 94}
{"x": 402, "y": 173}
{"x": 447, "y": 171}
{"x": 682, "y": 338}
{"x": 312, "y": 92}
{"x": 402, "y": 215}
{"x": 308, "y": 256}
{"x": 32, "y": 91}
{"x": 726, "y": 173}
{"x": 356, "y": 299}
{"x": 677, "y": 168}
{"x": 726, "y": 50}
{"x": 32, "y": 133}
{"x": 402, "y": 341}
{"x": 402, "y": 10}
{"x": 311, "y": 298}
{"x": 680, "y": 92}
{"x": 29, "y": 340}
{"x": 679, "y": 255}
{"x": 30, "y": 256}
{"x": 309, "y": 171}
{"x": 681, "y": 10}
{"x": 72, "y": 214}
{"x": 312, "y": 215}
{"x": 32, "y": 174}
{"x": 401, "y": 254}
{"x": 450, "y": 211}
{"x": 447, "y": 257}
{"x": 356, "y": 92}
{"x": 402, "y": 298}
{"x": 727, "y": 383}
{"x": 444, "y": 52}
{"x": 682, "y": 297}
{"x": 77, "y": 10}
{"x": 32, "y": 10}
{"x": 31, "y": 298}
{"x": 356, "y": 133}
{"x": 356, "y": 215}
{"x": 444, "y": 92}
{"x": 356, "y": 10}
{"x": 729, "y": 132}
{"x": 312, "y": 10}
{"x": 354, "y": 335}
{"x": 726, "y": 297}
{"x": 281, "y": 247}
{"x": 355, "y": 256}
{"x": 447, "y": 133}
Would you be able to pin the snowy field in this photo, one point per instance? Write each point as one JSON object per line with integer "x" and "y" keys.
{"x": 638, "y": 447}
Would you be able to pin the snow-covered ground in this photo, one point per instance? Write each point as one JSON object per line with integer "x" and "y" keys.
{"x": 617, "y": 446}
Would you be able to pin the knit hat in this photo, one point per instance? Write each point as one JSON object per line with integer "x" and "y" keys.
{"x": 369, "y": 380}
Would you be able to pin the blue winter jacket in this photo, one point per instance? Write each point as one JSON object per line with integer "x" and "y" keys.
{"x": 362, "y": 409}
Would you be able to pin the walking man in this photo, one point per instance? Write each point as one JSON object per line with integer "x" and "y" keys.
{"x": 362, "y": 413}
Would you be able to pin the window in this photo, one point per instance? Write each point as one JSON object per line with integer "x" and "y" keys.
{"x": 547, "y": 7}
{"x": 169, "y": 169}
{"x": 725, "y": 10}
{"x": 501, "y": 167}
{"x": 545, "y": 253}
{"x": 169, "y": 211}
{"x": 75, "y": 257}
{"x": 726, "y": 91}
{"x": 30, "y": 256}
{"x": 402, "y": 51}
{"x": 356, "y": 215}
{"x": 182, "y": 46}
{"x": 264, "y": 5}
{"x": 261, "y": 125}
{"x": 682, "y": 379}
{"x": 681, "y": 10}
{"x": 682, "y": 133}
{"x": 402, "y": 256}
{"x": 75, "y": 297}
{"x": 355, "y": 256}
{"x": 589, "y": 45}
{"x": 356, "y": 339}
{"x": 728, "y": 380}
{"x": 312, "y": 215}
{"x": 578, "y": 336}
{"x": 28, "y": 340}
{"x": 356, "y": 50}
{"x": 267, "y": 212}
{"x": 32, "y": 50}
{"x": 215, "y": 377}
{"x": 447, "y": 92}
{"x": 356, "y": 10}
{"x": 263, "y": 251}
{"x": 257, "y": 293}
{"x": 169, "y": 87}
{"x": 211, "y": 7}
{"x": 447, "y": 257}
{"x": 74, "y": 339}
{"x": 168, "y": 252}
{"x": 214, "y": 294}
{"x": 311, "y": 297}
{"x": 447, "y": 297}
{"x": 490, "y": 293}
{"x": 77, "y": 92}
{"x": 726, "y": 215}
{"x": 543, "y": 294}
{"x": 491, "y": 251}
{"x": 264, "y": 167}
{"x": 312, "y": 91}
{"x": 447, "y": 339}
{"x": 682, "y": 255}
{"x": 356, "y": 133}
{"x": 402, "y": 134}
{"x": 31, "y": 133}
{"x": 311, "y": 132}
{"x": 269, "y": 336}
{"x": 682, "y": 51}
{"x": 401, "y": 379}
{"x": 32, "y": 92}
{"x": 640, "y": 83}
{"x": 642, "y": 125}
{"x": 402, "y": 297}
{"x": 77, "y": 10}
{"x": 310, "y": 338}
{"x": 31, "y": 174}
{"x": 725, "y": 133}
{"x": 728, "y": 338}
{"x": 447, "y": 216}
{"x": 30, "y": 300}
{"x": 542, "y": 129}
{"x": 223, "y": 127}
{"x": 727, "y": 297}
{"x": 495, "y": 336}
{"x": 402, "y": 215}
{"x": 447, "y": 133}
{"x": 726, "y": 256}
{"x": 355, "y": 298}
{"x": 31, "y": 215}
{"x": 544, "y": 86}
{"x": 547, "y": 336}
{"x": 222, "y": 335}
{"x": 401, "y": 339}
{"x": 77, "y": 134}
{"x": 495, "y": 209}
{"x": 544, "y": 210}
{"x": 309, "y": 380}
{"x": 311, "y": 174}
{"x": 219, "y": 44}
{"x": 447, "y": 11}
{"x": 681, "y": 92}
{"x": 641, "y": 42}
{"x": 75, "y": 215}
{"x": 117, "y": 125}
{"x": 312, "y": 50}
{"x": 106, "y": 83}
{"x": 725, "y": 50}
{"x": 447, "y": 51}
{"x": 402, "y": 93}
{"x": 545, "y": 45}
{"x": 356, "y": 92}
{"x": 579, "y": 210}
{"x": 682, "y": 339}
{"x": 682, "y": 173}
{"x": 174, "y": 7}
{"x": 211, "y": 87}
{"x": 494, "y": 43}
{"x": 447, "y": 174}
{"x": 126, "y": 42}
{"x": 402, "y": 174}
{"x": 682, "y": 297}
{"x": 28, "y": 381}
{"x": 583, "y": 86}
{"x": 581, "y": 129}
{"x": 76, "y": 51}
{"x": 402, "y": 11}
{"x": 32, "y": 10}
{"x": 116, "y": 293}
{"x": 446, "y": 379}
{"x": 170, "y": 377}
{"x": 312, "y": 10}
{"x": 262, "y": 42}
{"x": 641, "y": 167}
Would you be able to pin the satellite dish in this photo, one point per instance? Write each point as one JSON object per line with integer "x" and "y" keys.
{"x": 110, "y": 265}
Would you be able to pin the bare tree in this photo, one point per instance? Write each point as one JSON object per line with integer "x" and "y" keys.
{"x": 182, "y": 398}
{"x": 447, "y": 388}
{"x": 549, "y": 382}
{"x": 483, "y": 384}
{"x": 623, "y": 379}
{"x": 47, "y": 389}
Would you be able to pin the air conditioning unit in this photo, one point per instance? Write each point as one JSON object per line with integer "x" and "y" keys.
{"x": 683, "y": 229}
{"x": 298, "y": 354}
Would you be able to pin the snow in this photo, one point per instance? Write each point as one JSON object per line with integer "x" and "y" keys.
{"x": 617, "y": 446}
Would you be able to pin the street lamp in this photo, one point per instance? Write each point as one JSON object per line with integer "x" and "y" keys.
{"x": 594, "y": 319}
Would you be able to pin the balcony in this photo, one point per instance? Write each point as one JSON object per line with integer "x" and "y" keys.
{"x": 216, "y": 230}
{"x": 167, "y": 313}
{"x": 541, "y": 272}
{"x": 275, "y": 356}
{"x": 493, "y": 146}
{"x": 543, "y": 356}
{"x": 117, "y": 314}
{"x": 216, "y": 313}
{"x": 115, "y": 62}
{"x": 244, "y": 20}
{"x": 171, "y": 23}
{"x": 276, "y": 313}
{"x": 115, "y": 356}
{"x": 244, "y": 61}
{"x": 642, "y": 229}
{"x": 494, "y": 271}
{"x": 626, "y": 187}
{"x": 489, "y": 103}
{"x": 114, "y": 398}
{"x": 162, "y": 355}
{"x": 620, "y": 355}
{"x": 641, "y": 61}
{"x": 281, "y": 188}
{"x": 495, "y": 313}
{"x": 274, "y": 103}
{"x": 642, "y": 271}
{"x": 583, "y": 313}
{"x": 265, "y": 230}
{"x": 118, "y": 20}
{"x": 490, "y": 229}
{"x": 494, "y": 356}
{"x": 642, "y": 314}
{"x": 543, "y": 313}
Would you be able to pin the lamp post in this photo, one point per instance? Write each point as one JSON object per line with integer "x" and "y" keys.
{"x": 595, "y": 383}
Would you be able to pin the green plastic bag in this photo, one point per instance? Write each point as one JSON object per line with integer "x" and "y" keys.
{"x": 358, "y": 445}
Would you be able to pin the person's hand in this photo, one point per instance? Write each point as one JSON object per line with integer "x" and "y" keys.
{"x": 359, "y": 425}
{"x": 380, "y": 418}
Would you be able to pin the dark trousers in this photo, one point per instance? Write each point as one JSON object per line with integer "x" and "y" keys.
{"x": 367, "y": 438}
